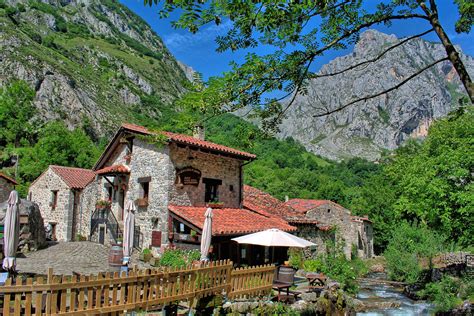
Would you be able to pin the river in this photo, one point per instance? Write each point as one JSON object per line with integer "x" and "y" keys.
{"x": 376, "y": 291}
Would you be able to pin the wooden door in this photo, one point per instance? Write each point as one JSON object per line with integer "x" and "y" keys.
{"x": 101, "y": 235}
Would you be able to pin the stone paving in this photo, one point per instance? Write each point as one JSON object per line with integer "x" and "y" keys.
{"x": 65, "y": 257}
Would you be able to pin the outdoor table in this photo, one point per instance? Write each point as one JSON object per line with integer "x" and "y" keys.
{"x": 279, "y": 286}
{"x": 316, "y": 280}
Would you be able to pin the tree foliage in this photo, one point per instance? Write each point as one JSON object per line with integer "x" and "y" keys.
{"x": 16, "y": 112}
{"x": 297, "y": 33}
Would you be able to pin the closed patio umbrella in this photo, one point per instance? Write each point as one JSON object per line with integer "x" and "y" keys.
{"x": 206, "y": 235}
{"x": 128, "y": 229}
{"x": 273, "y": 238}
{"x": 11, "y": 231}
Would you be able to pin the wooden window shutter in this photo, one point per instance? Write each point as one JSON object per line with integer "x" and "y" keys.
{"x": 156, "y": 238}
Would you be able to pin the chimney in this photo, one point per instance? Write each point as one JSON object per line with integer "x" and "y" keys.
{"x": 287, "y": 198}
{"x": 199, "y": 132}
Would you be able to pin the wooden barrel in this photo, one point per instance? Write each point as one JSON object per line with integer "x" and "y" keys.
{"x": 286, "y": 274}
{"x": 115, "y": 256}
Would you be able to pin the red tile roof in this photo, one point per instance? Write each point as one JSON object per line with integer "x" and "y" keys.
{"x": 75, "y": 178}
{"x": 113, "y": 169}
{"x": 304, "y": 205}
{"x": 192, "y": 141}
{"x": 230, "y": 221}
{"x": 8, "y": 179}
{"x": 264, "y": 203}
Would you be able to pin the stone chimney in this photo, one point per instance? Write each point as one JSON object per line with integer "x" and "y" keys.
{"x": 199, "y": 132}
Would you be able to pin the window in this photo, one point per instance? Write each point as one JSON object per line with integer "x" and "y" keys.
{"x": 110, "y": 192}
{"x": 212, "y": 189}
{"x": 231, "y": 188}
{"x": 144, "y": 191}
{"x": 54, "y": 199}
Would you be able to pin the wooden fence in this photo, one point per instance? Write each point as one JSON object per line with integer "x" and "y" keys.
{"x": 112, "y": 293}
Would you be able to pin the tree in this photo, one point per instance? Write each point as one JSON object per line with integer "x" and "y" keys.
{"x": 16, "y": 112}
{"x": 299, "y": 32}
{"x": 434, "y": 179}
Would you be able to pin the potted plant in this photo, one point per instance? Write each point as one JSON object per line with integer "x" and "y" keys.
{"x": 146, "y": 255}
{"x": 193, "y": 235}
{"x": 215, "y": 204}
{"x": 102, "y": 204}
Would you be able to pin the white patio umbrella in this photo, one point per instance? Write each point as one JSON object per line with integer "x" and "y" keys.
{"x": 273, "y": 238}
{"x": 129, "y": 228}
{"x": 11, "y": 231}
{"x": 206, "y": 235}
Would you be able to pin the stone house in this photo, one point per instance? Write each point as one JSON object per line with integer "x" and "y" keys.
{"x": 7, "y": 185}
{"x": 64, "y": 196}
{"x": 353, "y": 230}
{"x": 172, "y": 178}
{"x": 316, "y": 220}
{"x": 309, "y": 229}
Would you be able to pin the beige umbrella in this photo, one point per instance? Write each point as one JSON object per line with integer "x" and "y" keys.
{"x": 206, "y": 235}
{"x": 129, "y": 228}
{"x": 11, "y": 231}
{"x": 274, "y": 238}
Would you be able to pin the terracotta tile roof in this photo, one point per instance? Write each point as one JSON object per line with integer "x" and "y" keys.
{"x": 8, "y": 179}
{"x": 192, "y": 141}
{"x": 75, "y": 178}
{"x": 230, "y": 221}
{"x": 304, "y": 205}
{"x": 264, "y": 203}
{"x": 113, "y": 169}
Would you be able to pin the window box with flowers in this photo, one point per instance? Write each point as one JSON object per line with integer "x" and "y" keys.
{"x": 102, "y": 204}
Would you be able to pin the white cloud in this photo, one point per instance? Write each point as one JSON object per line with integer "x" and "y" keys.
{"x": 206, "y": 35}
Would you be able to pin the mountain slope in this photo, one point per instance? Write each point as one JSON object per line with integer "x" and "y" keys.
{"x": 384, "y": 123}
{"x": 90, "y": 62}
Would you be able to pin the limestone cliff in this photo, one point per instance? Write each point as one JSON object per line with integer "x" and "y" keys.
{"x": 91, "y": 62}
{"x": 367, "y": 128}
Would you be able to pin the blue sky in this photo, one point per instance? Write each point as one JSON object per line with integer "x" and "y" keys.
{"x": 198, "y": 50}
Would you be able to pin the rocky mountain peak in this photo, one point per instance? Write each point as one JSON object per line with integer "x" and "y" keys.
{"x": 365, "y": 129}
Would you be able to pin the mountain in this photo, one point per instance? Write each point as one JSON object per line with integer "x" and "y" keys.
{"x": 368, "y": 128}
{"x": 91, "y": 62}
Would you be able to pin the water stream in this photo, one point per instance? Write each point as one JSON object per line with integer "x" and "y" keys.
{"x": 388, "y": 299}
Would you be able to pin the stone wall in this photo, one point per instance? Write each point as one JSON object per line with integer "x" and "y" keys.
{"x": 365, "y": 245}
{"x": 312, "y": 233}
{"x": 151, "y": 160}
{"x": 40, "y": 192}
{"x": 5, "y": 189}
{"x": 211, "y": 166}
{"x": 332, "y": 214}
{"x": 86, "y": 207}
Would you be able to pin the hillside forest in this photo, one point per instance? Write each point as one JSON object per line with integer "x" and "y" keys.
{"x": 426, "y": 182}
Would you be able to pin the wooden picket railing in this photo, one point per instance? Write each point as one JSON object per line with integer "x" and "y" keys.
{"x": 254, "y": 281}
{"x": 111, "y": 293}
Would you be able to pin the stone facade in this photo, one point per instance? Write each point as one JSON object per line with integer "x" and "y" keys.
{"x": 352, "y": 231}
{"x": 159, "y": 166}
{"x": 312, "y": 233}
{"x": 62, "y": 205}
{"x": 6, "y": 186}
{"x": 211, "y": 166}
{"x": 58, "y": 214}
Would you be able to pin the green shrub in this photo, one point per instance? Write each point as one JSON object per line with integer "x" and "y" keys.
{"x": 335, "y": 265}
{"x": 315, "y": 265}
{"x": 408, "y": 244}
{"x": 178, "y": 258}
{"x": 443, "y": 294}
{"x": 146, "y": 251}
{"x": 295, "y": 257}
